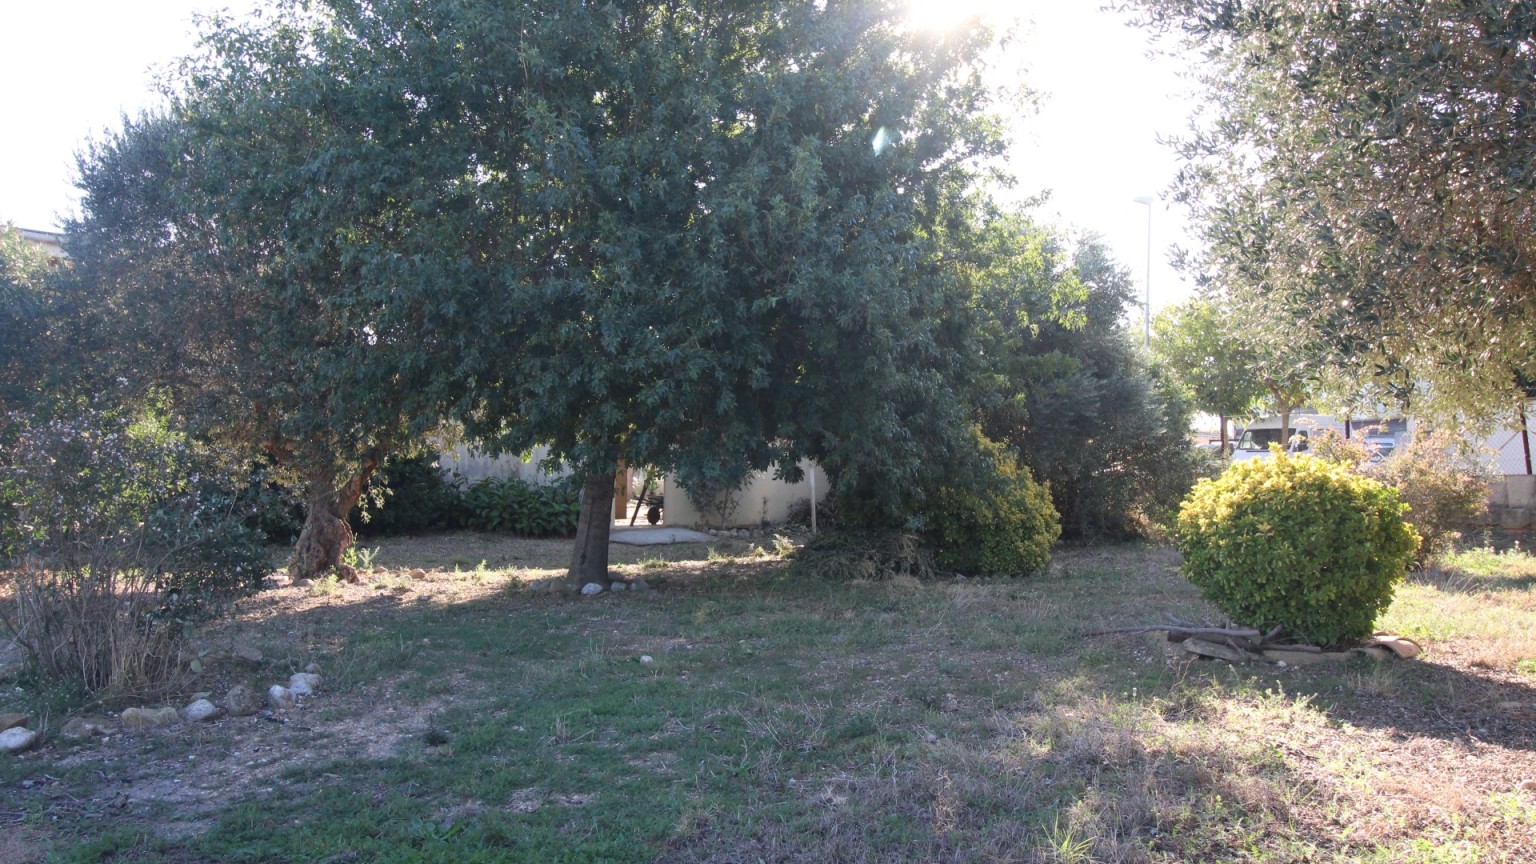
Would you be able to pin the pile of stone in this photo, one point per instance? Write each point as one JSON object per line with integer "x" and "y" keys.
{"x": 239, "y": 701}
{"x": 617, "y": 585}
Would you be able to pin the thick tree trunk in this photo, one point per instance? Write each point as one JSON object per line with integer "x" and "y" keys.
{"x": 1224, "y": 450}
{"x": 589, "y": 558}
{"x": 326, "y": 534}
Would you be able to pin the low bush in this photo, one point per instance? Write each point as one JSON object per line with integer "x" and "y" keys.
{"x": 873, "y": 555}
{"x": 517, "y": 507}
{"x": 1439, "y": 476}
{"x": 1443, "y": 482}
{"x": 408, "y": 495}
{"x": 1004, "y": 528}
{"x": 120, "y": 534}
{"x": 1298, "y": 542}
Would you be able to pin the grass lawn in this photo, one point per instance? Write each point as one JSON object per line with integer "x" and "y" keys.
{"x": 736, "y": 713}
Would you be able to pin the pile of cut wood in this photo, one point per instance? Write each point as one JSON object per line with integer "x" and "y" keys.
{"x": 1244, "y": 645}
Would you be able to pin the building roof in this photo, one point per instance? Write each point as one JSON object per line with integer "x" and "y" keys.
{"x": 51, "y": 242}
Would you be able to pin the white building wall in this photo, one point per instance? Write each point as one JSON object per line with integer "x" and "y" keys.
{"x": 764, "y": 499}
{"x": 469, "y": 467}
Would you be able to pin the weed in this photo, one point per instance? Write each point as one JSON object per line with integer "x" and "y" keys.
{"x": 1063, "y": 844}
{"x": 326, "y": 586}
{"x": 359, "y": 558}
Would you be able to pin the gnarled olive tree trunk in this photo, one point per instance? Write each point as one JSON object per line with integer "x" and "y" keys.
{"x": 326, "y": 534}
{"x": 589, "y": 557}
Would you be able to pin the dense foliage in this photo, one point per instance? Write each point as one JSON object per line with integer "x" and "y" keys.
{"x": 409, "y": 494}
{"x": 1441, "y": 478}
{"x": 1006, "y": 528}
{"x": 1075, "y": 397}
{"x": 1296, "y": 542}
{"x": 27, "y": 301}
{"x": 121, "y": 533}
{"x": 1443, "y": 482}
{"x": 1364, "y": 180}
{"x": 519, "y": 507}
{"x": 1203, "y": 349}
{"x": 706, "y": 237}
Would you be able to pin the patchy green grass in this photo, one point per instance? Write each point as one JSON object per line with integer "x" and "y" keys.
{"x": 737, "y": 713}
{"x": 1480, "y": 601}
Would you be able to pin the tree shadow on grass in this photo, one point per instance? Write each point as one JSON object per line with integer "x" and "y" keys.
{"x": 803, "y": 719}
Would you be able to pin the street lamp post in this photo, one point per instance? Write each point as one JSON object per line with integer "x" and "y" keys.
{"x": 1146, "y": 310}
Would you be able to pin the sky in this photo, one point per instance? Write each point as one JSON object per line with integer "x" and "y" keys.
{"x": 73, "y": 67}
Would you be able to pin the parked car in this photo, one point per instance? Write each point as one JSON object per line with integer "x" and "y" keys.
{"x": 1378, "y": 436}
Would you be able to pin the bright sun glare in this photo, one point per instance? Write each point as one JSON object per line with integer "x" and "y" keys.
{"x": 944, "y": 14}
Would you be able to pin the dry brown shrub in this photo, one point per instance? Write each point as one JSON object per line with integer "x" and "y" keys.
{"x": 846, "y": 556}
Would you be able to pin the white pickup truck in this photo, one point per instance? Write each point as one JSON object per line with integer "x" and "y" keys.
{"x": 1379, "y": 437}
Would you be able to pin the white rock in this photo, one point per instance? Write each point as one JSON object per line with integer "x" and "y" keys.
{"x": 17, "y": 739}
{"x": 313, "y": 668}
{"x": 639, "y": 585}
{"x": 201, "y": 710}
{"x": 280, "y": 697}
{"x": 303, "y": 684}
{"x": 646, "y": 658}
{"x": 592, "y": 588}
{"x": 618, "y": 586}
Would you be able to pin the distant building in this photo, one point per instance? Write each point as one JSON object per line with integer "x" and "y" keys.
{"x": 51, "y": 242}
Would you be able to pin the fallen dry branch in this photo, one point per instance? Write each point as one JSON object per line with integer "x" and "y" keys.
{"x": 1243, "y": 644}
{"x": 1228, "y": 632}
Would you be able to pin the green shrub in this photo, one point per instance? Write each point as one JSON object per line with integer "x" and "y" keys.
{"x": 278, "y": 511}
{"x": 408, "y": 494}
{"x": 1003, "y": 528}
{"x": 121, "y": 533}
{"x": 1297, "y": 542}
{"x": 517, "y": 507}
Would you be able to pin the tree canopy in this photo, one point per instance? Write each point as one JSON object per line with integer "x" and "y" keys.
{"x": 24, "y": 300}
{"x": 1202, "y": 348}
{"x": 1366, "y": 171}
{"x": 264, "y": 253}
{"x": 708, "y": 236}
{"x": 1069, "y": 389}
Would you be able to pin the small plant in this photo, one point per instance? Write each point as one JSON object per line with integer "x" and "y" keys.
{"x": 783, "y": 546}
{"x": 359, "y": 558}
{"x": 1297, "y": 542}
{"x": 871, "y": 555}
{"x": 1065, "y": 846}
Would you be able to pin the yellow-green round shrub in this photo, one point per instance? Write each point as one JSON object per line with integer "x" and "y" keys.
{"x": 1007, "y": 529}
{"x": 1301, "y": 543}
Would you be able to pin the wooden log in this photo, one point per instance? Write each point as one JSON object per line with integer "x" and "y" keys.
{"x": 1171, "y": 629}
